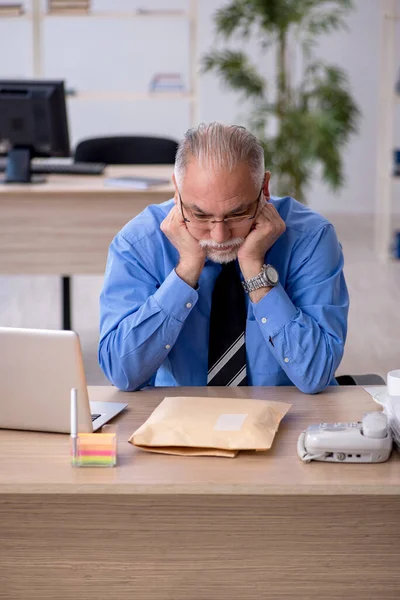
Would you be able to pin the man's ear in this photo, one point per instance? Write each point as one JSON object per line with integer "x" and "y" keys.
{"x": 267, "y": 195}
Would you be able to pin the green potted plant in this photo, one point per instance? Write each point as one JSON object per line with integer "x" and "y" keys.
{"x": 313, "y": 112}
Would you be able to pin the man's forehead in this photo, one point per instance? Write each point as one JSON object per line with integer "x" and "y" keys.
{"x": 217, "y": 186}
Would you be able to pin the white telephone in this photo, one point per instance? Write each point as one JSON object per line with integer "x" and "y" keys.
{"x": 368, "y": 441}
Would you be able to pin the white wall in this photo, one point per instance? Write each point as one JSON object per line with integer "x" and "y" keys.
{"x": 356, "y": 50}
{"x": 122, "y": 55}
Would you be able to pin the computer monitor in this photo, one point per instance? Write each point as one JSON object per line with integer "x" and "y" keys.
{"x": 33, "y": 122}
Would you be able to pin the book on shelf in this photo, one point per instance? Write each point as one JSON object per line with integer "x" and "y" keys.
{"x": 68, "y": 3}
{"x": 166, "y": 82}
{"x": 68, "y": 7}
{"x": 11, "y": 10}
{"x": 396, "y": 166}
{"x": 160, "y": 12}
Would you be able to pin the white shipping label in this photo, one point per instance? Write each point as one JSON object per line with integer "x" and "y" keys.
{"x": 230, "y": 422}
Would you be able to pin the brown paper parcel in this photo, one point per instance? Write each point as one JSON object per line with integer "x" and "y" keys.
{"x": 206, "y": 426}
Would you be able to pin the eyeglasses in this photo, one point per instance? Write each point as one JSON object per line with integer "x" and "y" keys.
{"x": 204, "y": 222}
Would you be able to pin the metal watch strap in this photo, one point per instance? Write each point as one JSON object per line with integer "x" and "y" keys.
{"x": 257, "y": 282}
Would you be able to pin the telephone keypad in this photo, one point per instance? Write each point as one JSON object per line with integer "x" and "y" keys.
{"x": 338, "y": 426}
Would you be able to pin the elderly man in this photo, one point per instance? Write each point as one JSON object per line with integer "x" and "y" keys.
{"x": 224, "y": 284}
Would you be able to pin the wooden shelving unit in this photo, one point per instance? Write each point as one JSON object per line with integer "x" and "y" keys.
{"x": 37, "y": 17}
{"x": 388, "y": 104}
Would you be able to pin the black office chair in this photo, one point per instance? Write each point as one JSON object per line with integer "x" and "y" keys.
{"x": 127, "y": 150}
{"x": 118, "y": 150}
{"x": 367, "y": 379}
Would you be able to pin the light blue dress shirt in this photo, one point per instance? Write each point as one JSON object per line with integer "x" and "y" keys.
{"x": 154, "y": 327}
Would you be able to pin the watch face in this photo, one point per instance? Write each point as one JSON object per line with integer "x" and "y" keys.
{"x": 272, "y": 274}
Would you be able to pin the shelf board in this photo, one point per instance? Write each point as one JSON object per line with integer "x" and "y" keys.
{"x": 102, "y": 15}
{"x": 101, "y": 96}
{"x": 107, "y": 14}
{"x": 12, "y": 16}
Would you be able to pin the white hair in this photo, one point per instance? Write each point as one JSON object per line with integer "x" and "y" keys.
{"x": 219, "y": 147}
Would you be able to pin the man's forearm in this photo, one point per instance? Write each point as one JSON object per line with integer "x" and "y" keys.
{"x": 309, "y": 352}
{"x": 135, "y": 348}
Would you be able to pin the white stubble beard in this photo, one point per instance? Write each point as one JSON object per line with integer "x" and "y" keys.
{"x": 222, "y": 257}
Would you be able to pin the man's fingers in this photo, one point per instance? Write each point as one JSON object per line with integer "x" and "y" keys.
{"x": 264, "y": 215}
{"x": 176, "y": 214}
{"x": 171, "y": 217}
{"x": 270, "y": 215}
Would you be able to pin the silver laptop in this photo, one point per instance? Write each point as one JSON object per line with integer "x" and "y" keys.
{"x": 38, "y": 368}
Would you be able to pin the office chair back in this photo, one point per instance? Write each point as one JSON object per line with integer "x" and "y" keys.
{"x": 364, "y": 379}
{"x": 127, "y": 150}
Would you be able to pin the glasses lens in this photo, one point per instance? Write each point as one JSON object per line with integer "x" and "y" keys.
{"x": 207, "y": 224}
{"x": 202, "y": 225}
{"x": 237, "y": 220}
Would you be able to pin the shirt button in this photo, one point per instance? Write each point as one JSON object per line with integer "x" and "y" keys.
{"x": 286, "y": 360}
{"x": 264, "y": 320}
{"x": 167, "y": 346}
{"x": 189, "y": 305}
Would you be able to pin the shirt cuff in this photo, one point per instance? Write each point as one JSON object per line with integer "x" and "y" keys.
{"x": 176, "y": 297}
{"x": 274, "y": 311}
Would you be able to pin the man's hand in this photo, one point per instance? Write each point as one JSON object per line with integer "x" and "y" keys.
{"x": 267, "y": 229}
{"x": 192, "y": 256}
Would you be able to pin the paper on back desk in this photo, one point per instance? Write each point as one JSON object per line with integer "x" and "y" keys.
{"x": 200, "y": 426}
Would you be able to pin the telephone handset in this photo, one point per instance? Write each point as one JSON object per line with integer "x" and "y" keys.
{"x": 366, "y": 441}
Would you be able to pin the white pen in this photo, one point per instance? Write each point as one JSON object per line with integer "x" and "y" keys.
{"x": 74, "y": 423}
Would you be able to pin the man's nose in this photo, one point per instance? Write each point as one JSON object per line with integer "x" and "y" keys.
{"x": 220, "y": 232}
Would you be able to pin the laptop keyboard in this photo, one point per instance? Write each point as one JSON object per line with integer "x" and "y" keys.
{"x": 95, "y": 416}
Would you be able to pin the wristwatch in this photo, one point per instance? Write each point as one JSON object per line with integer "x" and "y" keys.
{"x": 267, "y": 278}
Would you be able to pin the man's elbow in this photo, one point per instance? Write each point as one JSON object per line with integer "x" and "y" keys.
{"x": 312, "y": 387}
{"x": 123, "y": 384}
{"x": 119, "y": 380}
{"x": 322, "y": 373}
{"x": 319, "y": 382}
{"x": 115, "y": 374}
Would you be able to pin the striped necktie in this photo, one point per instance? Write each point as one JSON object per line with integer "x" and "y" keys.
{"x": 226, "y": 348}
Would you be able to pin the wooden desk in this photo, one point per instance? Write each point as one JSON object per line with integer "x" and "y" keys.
{"x": 161, "y": 527}
{"x": 66, "y": 225}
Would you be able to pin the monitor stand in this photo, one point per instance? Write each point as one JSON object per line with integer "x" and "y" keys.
{"x": 18, "y": 167}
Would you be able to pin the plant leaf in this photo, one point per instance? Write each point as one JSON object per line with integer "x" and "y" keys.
{"x": 236, "y": 71}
